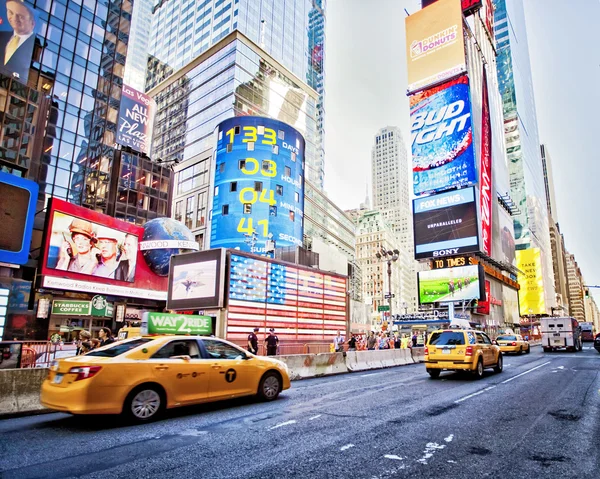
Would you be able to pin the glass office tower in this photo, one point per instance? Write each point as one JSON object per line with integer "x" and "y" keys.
{"x": 290, "y": 31}
{"x": 521, "y": 136}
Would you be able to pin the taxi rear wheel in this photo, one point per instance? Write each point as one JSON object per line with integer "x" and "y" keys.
{"x": 434, "y": 373}
{"x": 528, "y": 350}
{"x": 498, "y": 367}
{"x": 144, "y": 404}
{"x": 479, "y": 369}
{"x": 270, "y": 386}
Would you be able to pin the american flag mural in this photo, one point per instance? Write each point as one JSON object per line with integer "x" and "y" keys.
{"x": 301, "y": 304}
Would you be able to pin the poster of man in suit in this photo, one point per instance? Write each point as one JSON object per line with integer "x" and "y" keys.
{"x": 17, "y": 37}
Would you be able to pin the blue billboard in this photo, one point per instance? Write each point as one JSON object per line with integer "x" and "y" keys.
{"x": 442, "y": 138}
{"x": 18, "y": 198}
{"x": 258, "y": 196}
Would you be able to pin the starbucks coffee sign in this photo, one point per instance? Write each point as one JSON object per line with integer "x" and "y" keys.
{"x": 71, "y": 307}
{"x": 166, "y": 323}
{"x": 101, "y": 307}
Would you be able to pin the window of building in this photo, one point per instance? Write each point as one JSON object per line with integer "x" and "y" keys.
{"x": 233, "y": 186}
{"x": 275, "y": 149}
{"x": 279, "y": 190}
{"x": 229, "y": 148}
{"x": 272, "y": 210}
{"x": 258, "y": 186}
{"x": 189, "y": 211}
{"x": 293, "y": 156}
{"x": 288, "y": 171}
{"x": 247, "y": 208}
{"x": 297, "y": 197}
{"x": 281, "y": 134}
{"x": 178, "y": 210}
{"x": 225, "y": 210}
{"x": 292, "y": 215}
{"x": 250, "y": 146}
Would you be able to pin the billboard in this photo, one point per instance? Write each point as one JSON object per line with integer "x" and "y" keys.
{"x": 531, "y": 294}
{"x": 300, "y": 303}
{"x": 446, "y": 224}
{"x": 196, "y": 280}
{"x": 259, "y": 185}
{"x": 464, "y": 283}
{"x": 18, "y": 26}
{"x": 88, "y": 251}
{"x": 443, "y": 156}
{"x": 435, "y": 48}
{"x": 136, "y": 120}
{"x": 468, "y": 6}
{"x": 485, "y": 171}
{"x": 18, "y": 198}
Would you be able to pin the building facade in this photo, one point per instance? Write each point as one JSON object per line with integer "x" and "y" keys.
{"x": 139, "y": 41}
{"x": 576, "y": 290}
{"x": 391, "y": 193}
{"x": 292, "y": 32}
{"x": 531, "y": 223}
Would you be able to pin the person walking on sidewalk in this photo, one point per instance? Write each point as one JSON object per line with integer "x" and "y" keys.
{"x": 272, "y": 341}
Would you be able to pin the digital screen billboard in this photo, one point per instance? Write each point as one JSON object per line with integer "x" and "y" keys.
{"x": 197, "y": 280}
{"x": 443, "y": 156}
{"x": 446, "y": 224}
{"x": 18, "y": 26}
{"x": 88, "y": 251}
{"x": 464, "y": 283}
{"x": 299, "y": 303}
{"x": 486, "y": 190}
{"x": 18, "y": 198}
{"x": 136, "y": 120}
{"x": 259, "y": 185}
{"x": 531, "y": 279}
{"x": 435, "y": 48}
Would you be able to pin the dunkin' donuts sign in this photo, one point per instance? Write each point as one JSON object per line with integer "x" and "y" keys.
{"x": 136, "y": 120}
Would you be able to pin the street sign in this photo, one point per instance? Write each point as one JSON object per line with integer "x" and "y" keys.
{"x": 389, "y": 296}
{"x": 385, "y": 307}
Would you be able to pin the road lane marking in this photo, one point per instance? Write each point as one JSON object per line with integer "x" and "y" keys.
{"x": 469, "y": 396}
{"x": 430, "y": 449}
{"x": 372, "y": 374}
{"x": 526, "y": 372}
{"x": 346, "y": 447}
{"x": 449, "y": 438}
{"x": 393, "y": 456}
{"x": 287, "y": 423}
{"x": 315, "y": 417}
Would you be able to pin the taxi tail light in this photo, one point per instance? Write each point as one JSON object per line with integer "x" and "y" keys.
{"x": 513, "y": 343}
{"x": 85, "y": 372}
{"x": 469, "y": 351}
{"x": 426, "y": 350}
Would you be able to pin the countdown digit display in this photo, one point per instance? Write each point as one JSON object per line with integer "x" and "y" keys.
{"x": 259, "y": 185}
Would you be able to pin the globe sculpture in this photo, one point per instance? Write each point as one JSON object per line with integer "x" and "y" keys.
{"x": 164, "y": 229}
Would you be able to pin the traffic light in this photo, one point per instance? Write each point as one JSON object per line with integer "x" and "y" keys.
{"x": 587, "y": 293}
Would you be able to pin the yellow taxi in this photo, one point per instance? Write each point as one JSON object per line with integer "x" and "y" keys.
{"x": 460, "y": 349}
{"x": 513, "y": 343}
{"x": 141, "y": 377}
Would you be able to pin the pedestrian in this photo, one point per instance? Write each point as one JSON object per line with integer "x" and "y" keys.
{"x": 253, "y": 342}
{"x": 404, "y": 342}
{"x": 95, "y": 344}
{"x": 396, "y": 341}
{"x": 382, "y": 341}
{"x": 371, "y": 341}
{"x": 352, "y": 343}
{"x": 84, "y": 344}
{"x": 105, "y": 336}
{"x": 272, "y": 342}
{"x": 414, "y": 340}
{"x": 338, "y": 343}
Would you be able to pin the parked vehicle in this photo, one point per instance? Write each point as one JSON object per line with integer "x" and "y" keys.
{"x": 561, "y": 333}
{"x": 587, "y": 331}
{"x": 597, "y": 343}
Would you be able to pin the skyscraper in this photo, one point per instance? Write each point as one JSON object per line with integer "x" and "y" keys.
{"x": 290, "y": 31}
{"x": 139, "y": 40}
{"x": 391, "y": 196}
{"x": 522, "y": 138}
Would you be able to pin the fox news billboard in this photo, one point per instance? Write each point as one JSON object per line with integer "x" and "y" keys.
{"x": 258, "y": 197}
{"x": 443, "y": 156}
{"x": 446, "y": 224}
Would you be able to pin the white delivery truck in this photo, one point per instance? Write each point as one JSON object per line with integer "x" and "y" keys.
{"x": 561, "y": 333}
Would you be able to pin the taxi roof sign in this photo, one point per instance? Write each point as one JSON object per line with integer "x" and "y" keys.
{"x": 180, "y": 324}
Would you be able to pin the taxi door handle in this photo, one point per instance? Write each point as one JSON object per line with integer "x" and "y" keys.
{"x": 161, "y": 368}
{"x": 216, "y": 366}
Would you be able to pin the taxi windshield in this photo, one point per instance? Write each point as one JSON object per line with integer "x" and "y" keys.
{"x": 119, "y": 348}
{"x": 506, "y": 338}
{"x": 447, "y": 338}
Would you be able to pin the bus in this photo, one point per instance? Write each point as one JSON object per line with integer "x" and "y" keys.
{"x": 587, "y": 331}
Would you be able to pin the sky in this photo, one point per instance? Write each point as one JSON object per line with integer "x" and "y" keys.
{"x": 366, "y": 90}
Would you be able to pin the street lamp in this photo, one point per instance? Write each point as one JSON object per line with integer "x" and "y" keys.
{"x": 530, "y": 323}
{"x": 389, "y": 256}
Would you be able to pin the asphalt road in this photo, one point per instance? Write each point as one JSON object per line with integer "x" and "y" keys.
{"x": 539, "y": 418}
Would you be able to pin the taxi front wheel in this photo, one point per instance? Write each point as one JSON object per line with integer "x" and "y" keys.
{"x": 144, "y": 403}
{"x": 270, "y": 386}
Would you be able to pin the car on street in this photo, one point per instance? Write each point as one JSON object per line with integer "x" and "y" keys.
{"x": 513, "y": 343}
{"x": 460, "y": 349}
{"x": 597, "y": 342}
{"x": 141, "y": 377}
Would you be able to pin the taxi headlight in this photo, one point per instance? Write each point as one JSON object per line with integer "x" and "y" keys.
{"x": 54, "y": 365}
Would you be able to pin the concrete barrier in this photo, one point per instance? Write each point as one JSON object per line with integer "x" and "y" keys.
{"x": 20, "y": 390}
{"x": 418, "y": 355}
{"x": 314, "y": 365}
{"x": 365, "y": 360}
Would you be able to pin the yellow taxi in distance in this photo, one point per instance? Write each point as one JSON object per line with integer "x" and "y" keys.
{"x": 460, "y": 349}
{"x": 513, "y": 343}
{"x": 141, "y": 377}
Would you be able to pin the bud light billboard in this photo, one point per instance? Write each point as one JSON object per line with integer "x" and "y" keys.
{"x": 442, "y": 138}
{"x": 258, "y": 197}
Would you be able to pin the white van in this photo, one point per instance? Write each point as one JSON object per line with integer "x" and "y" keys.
{"x": 561, "y": 333}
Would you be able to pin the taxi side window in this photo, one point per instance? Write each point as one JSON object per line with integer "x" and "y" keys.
{"x": 219, "y": 350}
{"x": 480, "y": 339}
{"x": 486, "y": 339}
{"x": 178, "y": 348}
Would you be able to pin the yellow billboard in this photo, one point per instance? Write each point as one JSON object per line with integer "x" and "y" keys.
{"x": 531, "y": 294}
{"x": 435, "y": 48}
